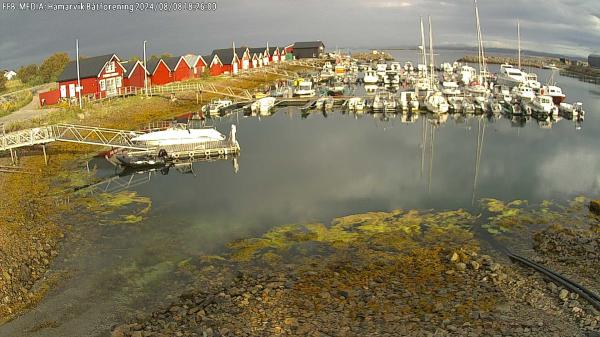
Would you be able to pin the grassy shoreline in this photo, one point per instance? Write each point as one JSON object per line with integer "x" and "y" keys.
{"x": 34, "y": 215}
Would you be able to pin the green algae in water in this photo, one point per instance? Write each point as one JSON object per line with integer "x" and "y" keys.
{"x": 125, "y": 207}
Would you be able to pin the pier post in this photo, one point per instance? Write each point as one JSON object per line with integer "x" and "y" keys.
{"x": 45, "y": 156}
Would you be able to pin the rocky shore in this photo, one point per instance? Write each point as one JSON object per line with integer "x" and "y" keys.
{"x": 386, "y": 281}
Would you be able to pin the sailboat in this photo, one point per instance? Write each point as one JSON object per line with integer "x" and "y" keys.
{"x": 478, "y": 88}
{"x": 435, "y": 101}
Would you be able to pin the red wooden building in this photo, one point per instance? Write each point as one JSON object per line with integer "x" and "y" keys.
{"x": 100, "y": 76}
{"x": 180, "y": 69}
{"x": 229, "y": 61}
{"x": 135, "y": 74}
{"x": 197, "y": 64}
{"x": 159, "y": 72}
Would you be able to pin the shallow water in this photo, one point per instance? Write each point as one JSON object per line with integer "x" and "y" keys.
{"x": 300, "y": 170}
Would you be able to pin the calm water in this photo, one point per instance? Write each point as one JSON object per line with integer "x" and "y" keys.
{"x": 299, "y": 170}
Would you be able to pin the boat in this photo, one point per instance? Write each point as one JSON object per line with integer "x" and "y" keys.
{"x": 381, "y": 70}
{"x": 356, "y": 104}
{"x": 467, "y": 74}
{"x": 435, "y": 102}
{"x": 263, "y": 105}
{"x": 502, "y": 94}
{"x": 371, "y": 89}
{"x": 179, "y": 134}
{"x": 551, "y": 66}
{"x": 324, "y": 103}
{"x": 408, "y": 101}
{"x": 571, "y": 110}
{"x": 510, "y": 77}
{"x": 216, "y": 106}
{"x": 336, "y": 89}
{"x": 531, "y": 80}
{"x": 304, "y": 89}
{"x": 395, "y": 67}
{"x": 408, "y": 67}
{"x": 340, "y": 70}
{"x": 523, "y": 92}
{"x": 370, "y": 77}
{"x": 553, "y": 91}
{"x": 543, "y": 105}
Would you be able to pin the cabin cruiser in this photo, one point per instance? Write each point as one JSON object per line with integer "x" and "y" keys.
{"x": 304, "y": 89}
{"x": 408, "y": 67}
{"x": 523, "y": 92}
{"x": 509, "y": 76}
{"x": 336, "y": 89}
{"x": 263, "y": 105}
{"x": 571, "y": 110}
{"x": 467, "y": 74}
{"x": 370, "y": 77}
{"x": 554, "y": 92}
{"x": 502, "y": 94}
{"x": 325, "y": 103}
{"x": 216, "y": 106}
{"x": 356, "y": 104}
{"x": 531, "y": 80}
{"x": 408, "y": 101}
{"x": 384, "y": 101}
{"x": 381, "y": 70}
{"x": 543, "y": 105}
{"x": 395, "y": 67}
{"x": 450, "y": 88}
{"x": 436, "y": 103}
{"x": 177, "y": 135}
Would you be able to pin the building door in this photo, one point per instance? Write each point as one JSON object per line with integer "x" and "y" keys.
{"x": 245, "y": 64}
{"x": 72, "y": 90}
{"x": 63, "y": 91}
{"x": 111, "y": 86}
{"x": 235, "y": 68}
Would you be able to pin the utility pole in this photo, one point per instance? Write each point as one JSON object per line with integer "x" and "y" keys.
{"x": 78, "y": 89}
{"x": 145, "y": 71}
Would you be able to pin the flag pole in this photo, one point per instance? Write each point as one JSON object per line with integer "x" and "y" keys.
{"x": 78, "y": 75}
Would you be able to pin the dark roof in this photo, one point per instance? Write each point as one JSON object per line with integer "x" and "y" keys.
{"x": 257, "y": 50}
{"x": 152, "y": 64}
{"x": 309, "y": 44}
{"x": 172, "y": 62}
{"x": 208, "y": 59}
{"x": 226, "y": 54}
{"x": 88, "y": 67}
{"x": 130, "y": 65}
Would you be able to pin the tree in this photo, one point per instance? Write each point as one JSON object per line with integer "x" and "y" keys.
{"x": 135, "y": 58}
{"x": 166, "y": 56}
{"x": 28, "y": 74}
{"x": 53, "y": 66}
{"x": 2, "y": 81}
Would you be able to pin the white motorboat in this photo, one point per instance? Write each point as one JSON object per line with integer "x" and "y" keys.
{"x": 502, "y": 94}
{"x": 325, "y": 103}
{"x": 571, "y": 110}
{"x": 543, "y": 105}
{"x": 467, "y": 74}
{"x": 510, "y": 77}
{"x": 178, "y": 135}
{"x": 408, "y": 67}
{"x": 263, "y": 105}
{"x": 435, "y": 102}
{"x": 531, "y": 80}
{"x": 371, "y": 89}
{"x": 304, "y": 89}
{"x": 450, "y": 88}
{"x": 381, "y": 70}
{"x": 356, "y": 104}
{"x": 216, "y": 106}
{"x": 395, "y": 67}
{"x": 408, "y": 100}
{"x": 554, "y": 92}
{"x": 370, "y": 77}
{"x": 523, "y": 92}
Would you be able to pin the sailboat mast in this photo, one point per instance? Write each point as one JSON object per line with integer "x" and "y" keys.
{"x": 519, "y": 40}
{"x": 478, "y": 37}
{"x": 431, "y": 54}
{"x": 423, "y": 48}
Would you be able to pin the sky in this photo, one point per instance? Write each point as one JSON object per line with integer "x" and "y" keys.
{"x": 569, "y": 27}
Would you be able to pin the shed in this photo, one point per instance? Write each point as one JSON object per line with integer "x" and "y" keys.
{"x": 180, "y": 69}
{"x": 135, "y": 74}
{"x": 310, "y": 49}
{"x": 100, "y": 76}
{"x": 159, "y": 72}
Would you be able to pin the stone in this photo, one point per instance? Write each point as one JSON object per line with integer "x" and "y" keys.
{"x": 137, "y": 334}
{"x": 454, "y": 258}
{"x": 552, "y": 287}
{"x": 461, "y": 266}
{"x": 475, "y": 265}
{"x": 117, "y": 333}
{"x": 595, "y": 206}
{"x": 564, "y": 294}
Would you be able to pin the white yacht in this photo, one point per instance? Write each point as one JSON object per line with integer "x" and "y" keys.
{"x": 381, "y": 70}
{"x": 408, "y": 67}
{"x": 436, "y": 103}
{"x": 467, "y": 74}
{"x": 554, "y": 92}
{"x": 531, "y": 80}
{"x": 304, "y": 89}
{"x": 408, "y": 101}
{"x": 523, "y": 92}
{"x": 395, "y": 67}
{"x": 263, "y": 105}
{"x": 543, "y": 105}
{"x": 356, "y": 104}
{"x": 510, "y": 77}
{"x": 370, "y": 77}
{"x": 178, "y": 135}
{"x": 215, "y": 106}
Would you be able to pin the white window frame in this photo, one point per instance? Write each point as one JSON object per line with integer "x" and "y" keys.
{"x": 110, "y": 67}
{"x": 118, "y": 81}
{"x": 72, "y": 90}
{"x": 102, "y": 85}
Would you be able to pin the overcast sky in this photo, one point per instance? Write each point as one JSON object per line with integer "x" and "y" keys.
{"x": 566, "y": 26}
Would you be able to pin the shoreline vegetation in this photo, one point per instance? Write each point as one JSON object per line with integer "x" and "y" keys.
{"x": 528, "y": 61}
{"x": 38, "y": 204}
{"x": 408, "y": 273}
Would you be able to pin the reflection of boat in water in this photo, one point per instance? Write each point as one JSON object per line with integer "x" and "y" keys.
{"x": 263, "y": 105}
